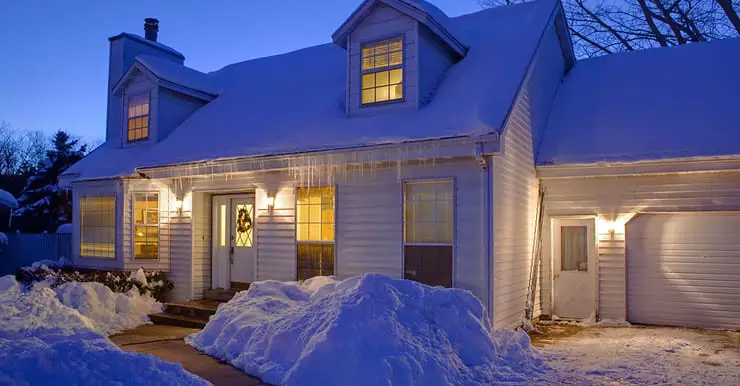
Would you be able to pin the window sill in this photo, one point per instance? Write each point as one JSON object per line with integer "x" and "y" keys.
{"x": 384, "y": 103}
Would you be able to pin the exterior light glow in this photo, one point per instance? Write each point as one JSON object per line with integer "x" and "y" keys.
{"x": 270, "y": 201}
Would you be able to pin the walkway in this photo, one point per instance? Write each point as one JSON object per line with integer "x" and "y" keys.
{"x": 166, "y": 342}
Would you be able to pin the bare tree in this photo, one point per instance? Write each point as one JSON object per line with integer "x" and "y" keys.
{"x": 20, "y": 151}
{"x": 8, "y": 149}
{"x": 602, "y": 27}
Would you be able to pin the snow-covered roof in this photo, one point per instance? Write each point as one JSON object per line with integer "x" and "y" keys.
{"x": 420, "y": 10}
{"x": 295, "y": 102}
{"x": 178, "y": 74}
{"x": 648, "y": 105}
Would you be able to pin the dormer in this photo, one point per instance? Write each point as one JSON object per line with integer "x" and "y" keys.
{"x": 398, "y": 53}
{"x": 150, "y": 90}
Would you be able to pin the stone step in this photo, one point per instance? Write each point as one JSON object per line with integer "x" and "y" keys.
{"x": 177, "y": 320}
{"x": 197, "y": 309}
{"x": 219, "y": 294}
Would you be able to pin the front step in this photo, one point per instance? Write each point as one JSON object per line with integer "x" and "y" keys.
{"x": 177, "y": 320}
{"x": 219, "y": 294}
{"x": 194, "y": 314}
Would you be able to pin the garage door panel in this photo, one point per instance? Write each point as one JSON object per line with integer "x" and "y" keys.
{"x": 684, "y": 270}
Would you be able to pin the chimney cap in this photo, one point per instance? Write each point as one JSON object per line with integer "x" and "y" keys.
{"x": 151, "y": 27}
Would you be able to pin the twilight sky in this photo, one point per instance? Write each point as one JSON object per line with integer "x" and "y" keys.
{"x": 54, "y": 58}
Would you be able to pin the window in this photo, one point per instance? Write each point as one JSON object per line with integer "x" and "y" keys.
{"x": 573, "y": 248}
{"x": 98, "y": 226}
{"x": 428, "y": 231}
{"x": 146, "y": 225}
{"x": 315, "y": 231}
{"x": 138, "y": 117}
{"x": 382, "y": 71}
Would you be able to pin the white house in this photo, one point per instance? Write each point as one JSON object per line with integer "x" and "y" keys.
{"x": 415, "y": 145}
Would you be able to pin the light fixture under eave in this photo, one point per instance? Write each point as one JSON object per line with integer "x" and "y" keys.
{"x": 178, "y": 206}
{"x": 270, "y": 201}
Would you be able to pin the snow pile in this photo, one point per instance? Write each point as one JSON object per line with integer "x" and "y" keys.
{"x": 43, "y": 341}
{"x": 108, "y": 311}
{"x": 7, "y": 199}
{"x": 3, "y": 239}
{"x": 65, "y": 229}
{"x": 48, "y": 264}
{"x": 370, "y": 330}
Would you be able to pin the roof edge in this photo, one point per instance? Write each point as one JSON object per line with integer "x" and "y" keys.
{"x": 156, "y": 45}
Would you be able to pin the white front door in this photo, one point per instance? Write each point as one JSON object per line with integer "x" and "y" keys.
{"x": 574, "y": 268}
{"x": 233, "y": 250}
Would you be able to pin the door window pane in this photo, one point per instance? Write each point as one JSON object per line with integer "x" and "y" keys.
{"x": 244, "y": 225}
{"x": 574, "y": 248}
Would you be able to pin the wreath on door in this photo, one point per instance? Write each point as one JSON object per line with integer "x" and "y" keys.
{"x": 243, "y": 221}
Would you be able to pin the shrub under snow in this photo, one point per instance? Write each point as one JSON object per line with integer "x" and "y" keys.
{"x": 43, "y": 341}
{"x": 370, "y": 330}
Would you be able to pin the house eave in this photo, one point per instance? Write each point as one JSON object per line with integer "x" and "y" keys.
{"x": 161, "y": 82}
{"x": 438, "y": 148}
{"x": 688, "y": 165}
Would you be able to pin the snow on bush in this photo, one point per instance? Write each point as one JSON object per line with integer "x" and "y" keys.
{"x": 65, "y": 229}
{"x": 42, "y": 342}
{"x": 369, "y": 330}
{"x": 109, "y": 312}
{"x": 3, "y": 239}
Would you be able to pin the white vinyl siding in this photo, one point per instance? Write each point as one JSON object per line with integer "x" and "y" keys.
{"x": 515, "y": 185}
{"x": 684, "y": 270}
{"x": 619, "y": 198}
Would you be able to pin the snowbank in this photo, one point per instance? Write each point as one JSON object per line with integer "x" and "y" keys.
{"x": 42, "y": 341}
{"x": 370, "y": 330}
{"x": 7, "y": 199}
{"x": 108, "y": 311}
{"x": 65, "y": 229}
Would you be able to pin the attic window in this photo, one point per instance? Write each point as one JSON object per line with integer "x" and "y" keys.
{"x": 138, "y": 117}
{"x": 382, "y": 71}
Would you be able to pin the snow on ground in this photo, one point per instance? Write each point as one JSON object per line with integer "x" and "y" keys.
{"x": 42, "y": 340}
{"x": 369, "y": 330}
{"x": 642, "y": 356}
{"x": 65, "y": 229}
{"x": 7, "y": 199}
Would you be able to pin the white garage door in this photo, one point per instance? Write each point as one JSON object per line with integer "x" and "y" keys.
{"x": 684, "y": 270}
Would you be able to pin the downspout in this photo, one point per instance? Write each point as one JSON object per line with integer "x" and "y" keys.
{"x": 486, "y": 222}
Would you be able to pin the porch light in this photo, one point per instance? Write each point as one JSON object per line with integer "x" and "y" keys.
{"x": 178, "y": 206}
{"x": 270, "y": 201}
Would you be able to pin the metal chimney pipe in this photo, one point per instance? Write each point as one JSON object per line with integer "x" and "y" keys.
{"x": 151, "y": 27}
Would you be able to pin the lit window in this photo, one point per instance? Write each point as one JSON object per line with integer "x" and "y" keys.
{"x": 382, "y": 71}
{"x": 428, "y": 230}
{"x": 98, "y": 226}
{"x": 138, "y": 117}
{"x": 315, "y": 231}
{"x": 146, "y": 225}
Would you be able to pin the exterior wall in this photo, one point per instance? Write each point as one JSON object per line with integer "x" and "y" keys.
{"x": 113, "y": 187}
{"x": 618, "y": 199}
{"x": 515, "y": 185}
{"x": 172, "y": 109}
{"x": 123, "y": 50}
{"x": 435, "y": 59}
{"x": 369, "y": 221}
{"x": 383, "y": 22}
{"x": 201, "y": 230}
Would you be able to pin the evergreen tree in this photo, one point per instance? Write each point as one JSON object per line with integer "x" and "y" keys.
{"x": 43, "y": 204}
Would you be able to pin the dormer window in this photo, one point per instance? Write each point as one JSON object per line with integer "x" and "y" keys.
{"x": 382, "y": 71}
{"x": 138, "y": 117}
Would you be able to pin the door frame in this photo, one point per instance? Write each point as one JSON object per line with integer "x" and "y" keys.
{"x": 590, "y": 221}
{"x": 229, "y": 196}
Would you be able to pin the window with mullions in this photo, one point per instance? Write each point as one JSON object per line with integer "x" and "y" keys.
{"x": 315, "y": 231}
{"x": 146, "y": 225}
{"x": 98, "y": 227}
{"x": 428, "y": 231}
{"x": 138, "y": 117}
{"x": 382, "y": 71}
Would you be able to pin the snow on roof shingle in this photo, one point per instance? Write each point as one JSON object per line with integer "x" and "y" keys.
{"x": 179, "y": 74}
{"x": 654, "y": 104}
{"x": 296, "y": 102}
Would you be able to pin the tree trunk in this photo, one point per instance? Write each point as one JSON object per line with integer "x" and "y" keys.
{"x": 731, "y": 13}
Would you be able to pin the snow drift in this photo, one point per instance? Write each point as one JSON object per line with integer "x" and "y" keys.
{"x": 370, "y": 330}
{"x": 43, "y": 341}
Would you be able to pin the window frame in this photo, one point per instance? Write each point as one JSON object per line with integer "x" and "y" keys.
{"x": 81, "y": 227}
{"x": 134, "y": 224}
{"x": 126, "y": 118}
{"x": 333, "y": 243}
{"x": 452, "y": 244}
{"x": 401, "y": 66}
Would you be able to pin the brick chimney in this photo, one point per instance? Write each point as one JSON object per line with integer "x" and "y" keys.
{"x": 151, "y": 27}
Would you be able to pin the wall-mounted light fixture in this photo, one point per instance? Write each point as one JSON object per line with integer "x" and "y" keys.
{"x": 270, "y": 201}
{"x": 178, "y": 206}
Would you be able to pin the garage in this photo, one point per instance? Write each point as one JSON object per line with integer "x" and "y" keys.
{"x": 683, "y": 269}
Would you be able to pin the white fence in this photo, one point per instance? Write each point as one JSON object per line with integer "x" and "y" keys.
{"x": 24, "y": 249}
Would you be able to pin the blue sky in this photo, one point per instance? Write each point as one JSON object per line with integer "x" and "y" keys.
{"x": 54, "y": 61}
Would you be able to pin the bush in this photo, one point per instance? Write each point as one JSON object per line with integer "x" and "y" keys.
{"x": 156, "y": 283}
